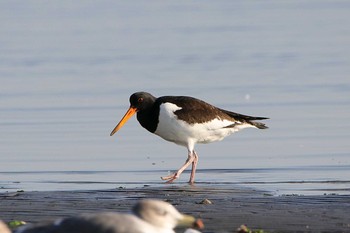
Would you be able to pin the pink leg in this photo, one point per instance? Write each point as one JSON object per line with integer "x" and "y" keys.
{"x": 194, "y": 167}
{"x": 176, "y": 175}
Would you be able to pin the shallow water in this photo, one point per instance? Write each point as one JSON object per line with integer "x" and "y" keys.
{"x": 67, "y": 70}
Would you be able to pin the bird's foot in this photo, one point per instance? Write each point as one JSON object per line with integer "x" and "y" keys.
{"x": 170, "y": 179}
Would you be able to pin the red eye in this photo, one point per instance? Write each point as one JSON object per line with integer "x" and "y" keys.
{"x": 140, "y": 100}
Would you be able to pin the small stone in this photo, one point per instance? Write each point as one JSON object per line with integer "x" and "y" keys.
{"x": 205, "y": 202}
{"x": 243, "y": 229}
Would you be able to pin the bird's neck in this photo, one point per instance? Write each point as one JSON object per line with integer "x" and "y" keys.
{"x": 148, "y": 118}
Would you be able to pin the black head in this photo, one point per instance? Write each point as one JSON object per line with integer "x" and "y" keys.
{"x": 141, "y": 100}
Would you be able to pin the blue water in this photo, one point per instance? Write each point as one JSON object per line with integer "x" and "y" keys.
{"x": 67, "y": 70}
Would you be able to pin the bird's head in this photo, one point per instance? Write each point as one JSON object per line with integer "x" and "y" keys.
{"x": 164, "y": 215}
{"x": 139, "y": 101}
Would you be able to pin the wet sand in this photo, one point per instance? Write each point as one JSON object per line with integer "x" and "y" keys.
{"x": 231, "y": 207}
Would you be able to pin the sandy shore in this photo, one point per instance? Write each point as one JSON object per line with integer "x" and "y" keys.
{"x": 232, "y": 206}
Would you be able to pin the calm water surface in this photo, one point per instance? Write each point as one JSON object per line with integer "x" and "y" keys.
{"x": 67, "y": 70}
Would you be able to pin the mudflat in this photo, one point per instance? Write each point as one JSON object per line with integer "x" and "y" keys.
{"x": 222, "y": 208}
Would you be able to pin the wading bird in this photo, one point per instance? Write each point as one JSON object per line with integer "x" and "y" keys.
{"x": 185, "y": 121}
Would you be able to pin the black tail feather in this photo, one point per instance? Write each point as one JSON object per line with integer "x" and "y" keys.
{"x": 258, "y": 125}
{"x": 249, "y": 119}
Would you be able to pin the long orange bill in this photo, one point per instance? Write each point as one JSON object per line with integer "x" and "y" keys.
{"x": 131, "y": 111}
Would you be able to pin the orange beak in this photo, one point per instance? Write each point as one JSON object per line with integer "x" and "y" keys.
{"x": 131, "y": 111}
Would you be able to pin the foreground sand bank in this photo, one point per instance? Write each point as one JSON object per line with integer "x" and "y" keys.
{"x": 231, "y": 207}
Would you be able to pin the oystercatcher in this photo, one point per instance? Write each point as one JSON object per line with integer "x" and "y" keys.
{"x": 185, "y": 121}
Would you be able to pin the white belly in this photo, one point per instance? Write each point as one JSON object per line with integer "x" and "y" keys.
{"x": 180, "y": 132}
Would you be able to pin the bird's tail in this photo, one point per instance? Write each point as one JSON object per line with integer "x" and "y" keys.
{"x": 258, "y": 125}
{"x": 248, "y": 119}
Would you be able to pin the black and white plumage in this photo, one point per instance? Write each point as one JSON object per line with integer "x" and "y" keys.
{"x": 185, "y": 121}
{"x": 149, "y": 216}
